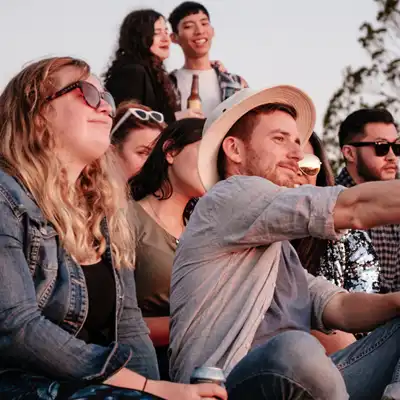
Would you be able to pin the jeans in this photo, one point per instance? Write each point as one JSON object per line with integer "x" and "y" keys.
{"x": 293, "y": 365}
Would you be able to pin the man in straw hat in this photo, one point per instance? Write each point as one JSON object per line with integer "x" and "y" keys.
{"x": 240, "y": 299}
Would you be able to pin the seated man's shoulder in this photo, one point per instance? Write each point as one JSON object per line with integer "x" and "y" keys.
{"x": 245, "y": 183}
{"x": 238, "y": 189}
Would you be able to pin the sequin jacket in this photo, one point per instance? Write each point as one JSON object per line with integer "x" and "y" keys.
{"x": 386, "y": 242}
{"x": 351, "y": 263}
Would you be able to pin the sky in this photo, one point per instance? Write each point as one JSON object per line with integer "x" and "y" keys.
{"x": 305, "y": 43}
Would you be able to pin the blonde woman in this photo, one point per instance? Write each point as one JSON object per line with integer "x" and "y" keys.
{"x": 69, "y": 322}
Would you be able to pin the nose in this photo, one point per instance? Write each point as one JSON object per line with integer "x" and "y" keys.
{"x": 199, "y": 29}
{"x": 165, "y": 37}
{"x": 105, "y": 108}
{"x": 296, "y": 152}
{"x": 390, "y": 155}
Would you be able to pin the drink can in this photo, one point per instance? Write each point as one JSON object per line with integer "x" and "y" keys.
{"x": 208, "y": 375}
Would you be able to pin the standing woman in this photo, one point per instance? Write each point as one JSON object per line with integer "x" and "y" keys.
{"x": 137, "y": 71}
{"x": 68, "y": 312}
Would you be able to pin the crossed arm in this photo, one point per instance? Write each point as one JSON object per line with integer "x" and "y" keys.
{"x": 361, "y": 207}
{"x": 360, "y": 312}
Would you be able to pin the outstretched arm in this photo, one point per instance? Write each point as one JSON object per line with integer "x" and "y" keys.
{"x": 367, "y": 205}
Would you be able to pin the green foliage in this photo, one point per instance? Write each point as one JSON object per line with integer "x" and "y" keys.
{"x": 374, "y": 85}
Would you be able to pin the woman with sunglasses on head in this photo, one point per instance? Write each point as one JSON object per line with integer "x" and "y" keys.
{"x": 69, "y": 322}
{"x": 350, "y": 263}
{"x": 138, "y": 73}
{"x": 162, "y": 189}
{"x": 135, "y": 130}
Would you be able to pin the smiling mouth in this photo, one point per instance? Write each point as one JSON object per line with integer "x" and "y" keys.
{"x": 200, "y": 42}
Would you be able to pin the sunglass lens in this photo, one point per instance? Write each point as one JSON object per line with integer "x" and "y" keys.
{"x": 91, "y": 94}
{"x": 310, "y": 165}
{"x": 158, "y": 117}
{"x": 381, "y": 149}
{"x": 396, "y": 149}
{"x": 141, "y": 114}
{"x": 110, "y": 100}
{"x": 310, "y": 171}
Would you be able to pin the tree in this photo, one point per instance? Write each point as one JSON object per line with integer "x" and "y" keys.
{"x": 375, "y": 85}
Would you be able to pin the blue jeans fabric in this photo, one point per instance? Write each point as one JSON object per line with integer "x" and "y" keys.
{"x": 293, "y": 365}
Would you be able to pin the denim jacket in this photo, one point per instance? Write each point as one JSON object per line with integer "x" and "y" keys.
{"x": 44, "y": 301}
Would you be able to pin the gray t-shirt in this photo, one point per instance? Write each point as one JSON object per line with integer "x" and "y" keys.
{"x": 209, "y": 90}
{"x": 291, "y": 304}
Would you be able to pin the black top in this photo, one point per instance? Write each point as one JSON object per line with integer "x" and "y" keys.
{"x": 99, "y": 324}
{"x": 138, "y": 82}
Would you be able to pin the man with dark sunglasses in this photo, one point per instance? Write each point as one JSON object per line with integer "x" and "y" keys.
{"x": 370, "y": 146}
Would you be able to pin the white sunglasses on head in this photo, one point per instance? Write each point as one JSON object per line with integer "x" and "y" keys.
{"x": 310, "y": 165}
{"x": 140, "y": 114}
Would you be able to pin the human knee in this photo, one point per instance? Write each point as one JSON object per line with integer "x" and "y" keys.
{"x": 300, "y": 358}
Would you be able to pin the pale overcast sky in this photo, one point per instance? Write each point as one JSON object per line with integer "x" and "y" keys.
{"x": 306, "y": 43}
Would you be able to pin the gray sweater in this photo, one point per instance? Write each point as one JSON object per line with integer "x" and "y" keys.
{"x": 226, "y": 265}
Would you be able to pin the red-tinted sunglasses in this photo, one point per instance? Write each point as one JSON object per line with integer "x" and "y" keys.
{"x": 90, "y": 93}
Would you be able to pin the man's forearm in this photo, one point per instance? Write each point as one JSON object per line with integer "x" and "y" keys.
{"x": 360, "y": 312}
{"x": 367, "y": 205}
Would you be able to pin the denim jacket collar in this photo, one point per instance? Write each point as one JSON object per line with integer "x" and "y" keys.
{"x": 19, "y": 198}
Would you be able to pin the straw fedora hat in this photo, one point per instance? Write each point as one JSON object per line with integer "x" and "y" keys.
{"x": 229, "y": 111}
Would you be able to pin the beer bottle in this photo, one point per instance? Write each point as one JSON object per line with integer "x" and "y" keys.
{"x": 194, "y": 101}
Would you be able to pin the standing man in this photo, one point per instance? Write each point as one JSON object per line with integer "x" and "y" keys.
{"x": 192, "y": 31}
{"x": 240, "y": 298}
{"x": 370, "y": 146}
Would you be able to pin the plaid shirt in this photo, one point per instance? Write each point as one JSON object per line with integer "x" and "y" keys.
{"x": 229, "y": 84}
{"x": 386, "y": 241}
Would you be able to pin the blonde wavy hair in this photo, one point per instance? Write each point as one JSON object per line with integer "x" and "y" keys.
{"x": 27, "y": 151}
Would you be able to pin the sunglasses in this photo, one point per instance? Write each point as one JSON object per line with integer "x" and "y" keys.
{"x": 310, "y": 165}
{"x": 143, "y": 115}
{"x": 381, "y": 148}
{"x": 90, "y": 93}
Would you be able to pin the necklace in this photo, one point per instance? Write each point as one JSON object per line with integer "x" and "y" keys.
{"x": 160, "y": 222}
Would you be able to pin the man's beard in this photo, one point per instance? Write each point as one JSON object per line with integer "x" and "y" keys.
{"x": 365, "y": 173}
{"x": 252, "y": 168}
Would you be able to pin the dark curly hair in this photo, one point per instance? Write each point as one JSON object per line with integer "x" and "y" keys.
{"x": 135, "y": 39}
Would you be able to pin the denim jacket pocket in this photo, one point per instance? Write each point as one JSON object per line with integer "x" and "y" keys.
{"x": 42, "y": 255}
